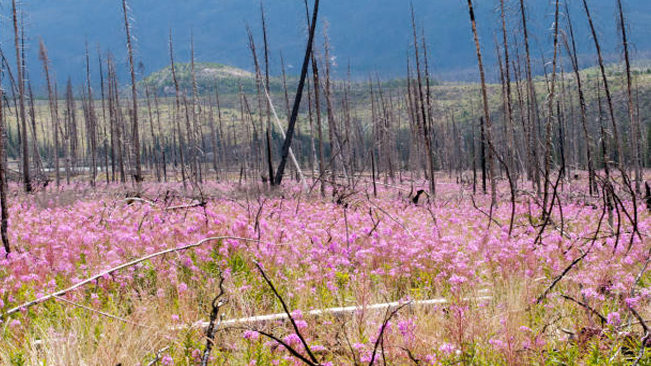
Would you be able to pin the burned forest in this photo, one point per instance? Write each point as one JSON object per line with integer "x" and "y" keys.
{"x": 308, "y": 207}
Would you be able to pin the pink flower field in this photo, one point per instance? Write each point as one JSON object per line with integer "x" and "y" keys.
{"x": 563, "y": 288}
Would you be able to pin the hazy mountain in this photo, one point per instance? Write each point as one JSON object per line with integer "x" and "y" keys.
{"x": 371, "y": 35}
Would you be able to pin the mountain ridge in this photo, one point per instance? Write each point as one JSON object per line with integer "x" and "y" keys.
{"x": 369, "y": 36}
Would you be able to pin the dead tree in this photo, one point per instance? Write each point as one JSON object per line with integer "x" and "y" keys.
{"x": 423, "y": 114}
{"x": 54, "y": 115}
{"x": 336, "y": 149}
{"x": 299, "y": 95}
{"x": 259, "y": 86}
{"x": 317, "y": 108}
{"x": 38, "y": 162}
{"x": 181, "y": 140}
{"x": 266, "y": 85}
{"x": 116, "y": 121}
{"x": 154, "y": 139}
{"x": 532, "y": 115}
{"x": 196, "y": 130}
{"x": 92, "y": 122}
{"x": 70, "y": 132}
{"x": 105, "y": 133}
{"x": 312, "y": 157}
{"x": 635, "y": 123}
{"x": 27, "y": 183}
{"x": 224, "y": 146}
{"x": 134, "y": 96}
{"x": 510, "y": 133}
{"x": 429, "y": 132}
{"x": 582, "y": 103}
{"x": 162, "y": 145}
{"x": 4, "y": 209}
{"x": 487, "y": 122}
{"x": 213, "y": 325}
{"x": 213, "y": 135}
{"x": 550, "y": 111}
{"x": 609, "y": 99}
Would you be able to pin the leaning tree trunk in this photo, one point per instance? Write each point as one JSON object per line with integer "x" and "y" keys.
{"x": 609, "y": 99}
{"x": 297, "y": 102}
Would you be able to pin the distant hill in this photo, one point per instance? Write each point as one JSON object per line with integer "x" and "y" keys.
{"x": 208, "y": 76}
{"x": 372, "y": 36}
{"x": 228, "y": 80}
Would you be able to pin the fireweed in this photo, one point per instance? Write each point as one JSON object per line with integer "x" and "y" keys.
{"x": 382, "y": 249}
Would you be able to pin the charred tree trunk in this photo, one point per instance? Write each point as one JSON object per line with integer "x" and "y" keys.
{"x": 267, "y": 91}
{"x": 299, "y": 95}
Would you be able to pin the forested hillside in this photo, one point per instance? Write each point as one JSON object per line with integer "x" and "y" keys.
{"x": 373, "y": 36}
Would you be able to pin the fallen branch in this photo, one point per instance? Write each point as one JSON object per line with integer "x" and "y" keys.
{"x": 490, "y": 216}
{"x": 574, "y": 262}
{"x": 192, "y": 205}
{"x": 287, "y": 347}
{"x": 561, "y": 276}
{"x": 337, "y": 311}
{"x": 130, "y": 200}
{"x": 587, "y": 307}
{"x": 158, "y": 356}
{"x": 380, "y": 338}
{"x": 214, "y": 322}
{"x": 57, "y": 294}
{"x": 313, "y": 359}
{"x": 110, "y": 316}
{"x": 282, "y": 132}
{"x": 644, "y": 338}
{"x": 393, "y": 219}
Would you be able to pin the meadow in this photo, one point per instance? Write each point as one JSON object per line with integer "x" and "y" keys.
{"x": 301, "y": 213}
{"x": 442, "y": 282}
